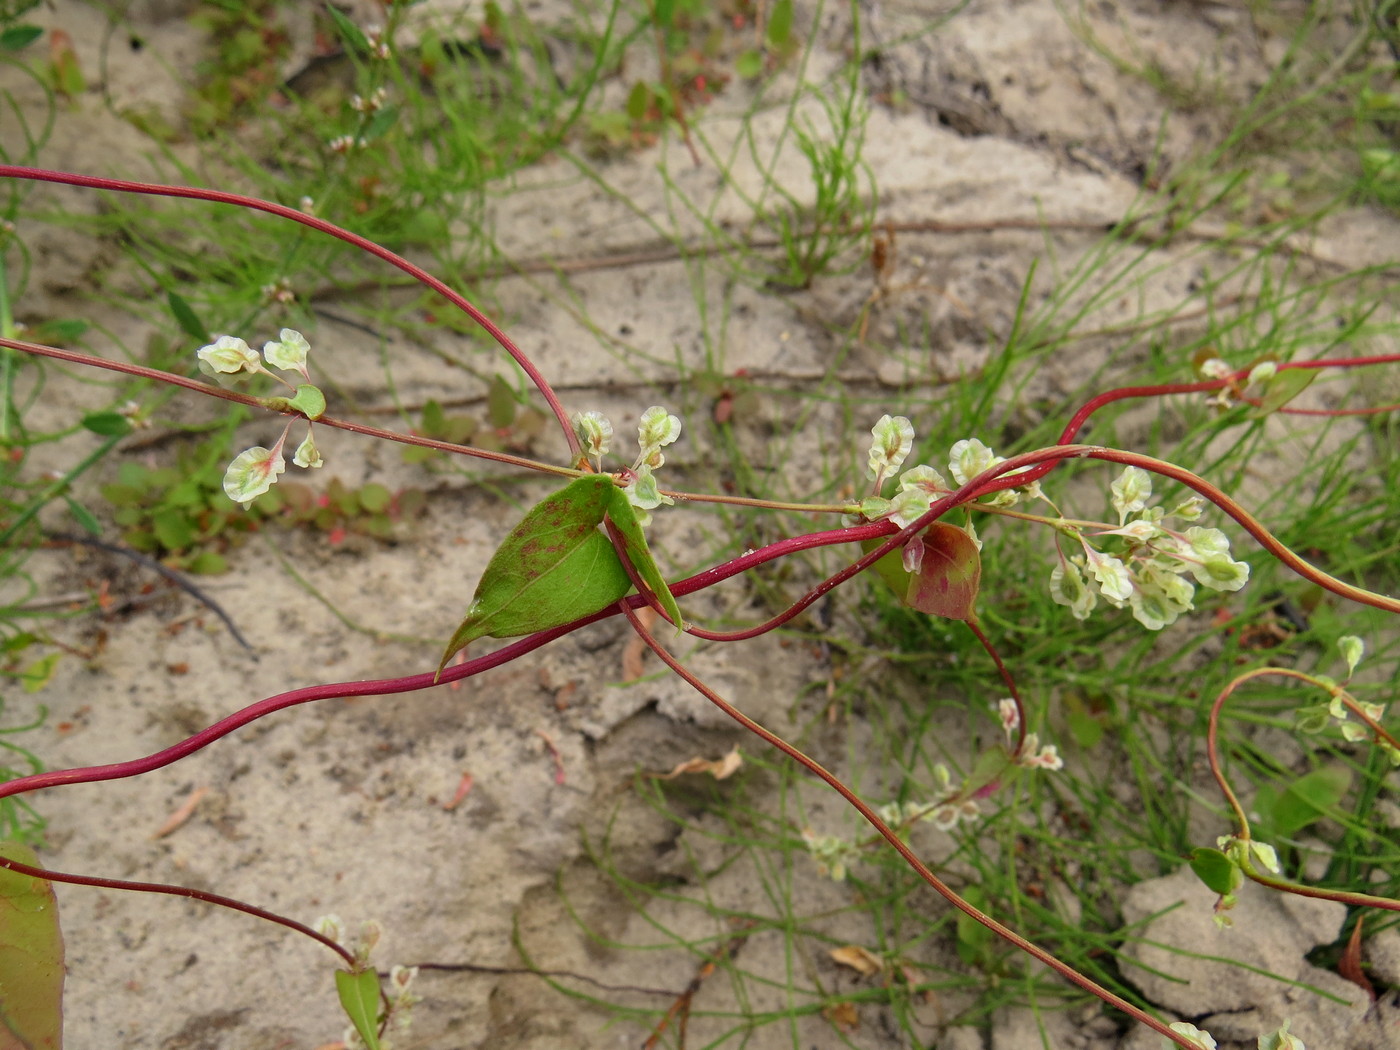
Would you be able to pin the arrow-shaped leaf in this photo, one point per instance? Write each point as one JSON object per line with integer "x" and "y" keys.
{"x": 1282, "y": 388}
{"x": 553, "y": 568}
{"x": 624, "y": 516}
{"x": 359, "y": 997}
{"x": 31, "y": 958}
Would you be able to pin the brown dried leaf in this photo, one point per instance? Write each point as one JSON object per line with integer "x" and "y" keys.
{"x": 1349, "y": 965}
{"x": 719, "y": 768}
{"x": 182, "y": 814}
{"x": 843, "y": 1015}
{"x": 863, "y": 961}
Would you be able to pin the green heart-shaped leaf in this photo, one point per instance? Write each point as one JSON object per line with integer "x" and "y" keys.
{"x": 553, "y": 568}
{"x": 1220, "y": 874}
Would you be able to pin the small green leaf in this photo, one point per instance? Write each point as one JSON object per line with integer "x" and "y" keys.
{"x": 107, "y": 424}
{"x": 624, "y": 517}
{"x": 17, "y": 38}
{"x": 1085, "y": 728}
{"x": 500, "y": 404}
{"x": 310, "y": 401}
{"x": 380, "y": 124}
{"x": 665, "y": 13}
{"x": 186, "y": 318}
{"x": 85, "y": 518}
{"x": 31, "y": 958}
{"x": 749, "y": 64}
{"x": 64, "y": 331}
{"x": 359, "y": 998}
{"x": 374, "y": 497}
{"x": 1220, "y": 874}
{"x": 638, "y": 99}
{"x": 172, "y": 527}
{"x": 122, "y": 495}
{"x": 1282, "y": 388}
{"x": 434, "y": 420}
{"x": 973, "y": 937}
{"x": 38, "y": 674}
{"x": 353, "y": 35}
{"x": 1307, "y": 799}
{"x": 208, "y": 563}
{"x": 780, "y": 25}
{"x": 947, "y": 582}
{"x": 554, "y": 567}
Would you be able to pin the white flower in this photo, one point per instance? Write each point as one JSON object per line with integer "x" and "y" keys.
{"x": 596, "y": 431}
{"x": 913, "y": 556}
{"x": 1115, "y": 583}
{"x": 909, "y": 505}
{"x": 1262, "y": 371}
{"x": 1007, "y": 714}
{"x": 288, "y": 352}
{"x": 1352, "y": 649}
{"x": 253, "y": 472}
{"x": 307, "y": 454}
{"x": 657, "y": 428}
{"x": 924, "y": 477}
{"x": 969, "y": 457}
{"x": 1281, "y": 1039}
{"x": 228, "y": 354}
{"x": 643, "y": 493}
{"x": 893, "y": 439}
{"x": 1214, "y": 368}
{"x": 1131, "y": 491}
{"x": 1197, "y": 1038}
{"x": 1067, "y": 587}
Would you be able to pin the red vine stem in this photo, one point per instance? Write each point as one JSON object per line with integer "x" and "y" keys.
{"x": 410, "y": 683}
{"x": 910, "y": 857}
{"x": 982, "y": 483}
{"x": 179, "y": 891}
{"x": 66, "y": 178}
{"x": 1362, "y": 900}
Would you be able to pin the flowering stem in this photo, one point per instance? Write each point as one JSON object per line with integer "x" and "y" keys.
{"x": 364, "y": 244}
{"x": 1006, "y": 677}
{"x": 1363, "y": 900}
{"x": 813, "y": 766}
{"x": 77, "y": 358}
{"x": 177, "y": 891}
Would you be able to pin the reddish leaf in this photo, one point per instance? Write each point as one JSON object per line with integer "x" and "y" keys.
{"x": 947, "y": 581}
{"x": 1349, "y": 965}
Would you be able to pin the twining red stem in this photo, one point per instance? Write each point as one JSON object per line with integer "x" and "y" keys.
{"x": 1348, "y": 897}
{"x": 66, "y": 178}
{"x": 1066, "y": 971}
{"x": 177, "y": 891}
{"x": 412, "y": 683}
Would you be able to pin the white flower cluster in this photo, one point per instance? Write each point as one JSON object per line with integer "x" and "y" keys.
{"x": 255, "y": 470}
{"x": 655, "y": 430}
{"x": 919, "y": 486}
{"x": 397, "y": 1017}
{"x": 1148, "y": 572}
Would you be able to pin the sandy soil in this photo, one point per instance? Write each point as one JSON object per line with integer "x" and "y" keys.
{"x": 339, "y": 807}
